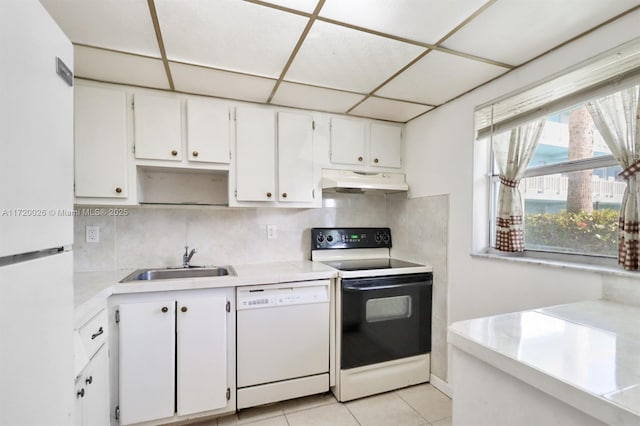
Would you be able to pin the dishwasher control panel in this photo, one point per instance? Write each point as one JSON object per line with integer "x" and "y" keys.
{"x": 281, "y": 295}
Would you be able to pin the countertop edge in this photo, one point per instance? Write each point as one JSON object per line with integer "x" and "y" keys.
{"x": 96, "y": 287}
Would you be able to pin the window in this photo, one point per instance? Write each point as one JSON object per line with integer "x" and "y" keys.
{"x": 548, "y": 147}
{"x": 570, "y": 189}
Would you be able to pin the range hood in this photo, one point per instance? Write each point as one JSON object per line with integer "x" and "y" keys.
{"x": 359, "y": 182}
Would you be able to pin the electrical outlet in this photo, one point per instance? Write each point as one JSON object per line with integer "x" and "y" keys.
{"x": 272, "y": 232}
{"x": 92, "y": 234}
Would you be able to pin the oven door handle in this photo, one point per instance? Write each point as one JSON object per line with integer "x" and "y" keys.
{"x": 369, "y": 287}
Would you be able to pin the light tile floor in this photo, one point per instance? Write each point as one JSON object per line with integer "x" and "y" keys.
{"x": 421, "y": 405}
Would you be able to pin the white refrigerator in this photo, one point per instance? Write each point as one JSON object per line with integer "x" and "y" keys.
{"x": 36, "y": 222}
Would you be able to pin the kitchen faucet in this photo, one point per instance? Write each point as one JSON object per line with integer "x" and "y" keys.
{"x": 186, "y": 257}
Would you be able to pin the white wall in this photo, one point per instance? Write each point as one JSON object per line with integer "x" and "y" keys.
{"x": 440, "y": 160}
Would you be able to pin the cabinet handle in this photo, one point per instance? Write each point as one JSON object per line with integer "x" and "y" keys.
{"x": 284, "y": 195}
{"x": 375, "y": 160}
{"x": 89, "y": 380}
{"x": 195, "y": 153}
{"x": 99, "y": 332}
{"x": 184, "y": 309}
{"x": 118, "y": 190}
{"x": 174, "y": 152}
{"x": 165, "y": 309}
{"x": 269, "y": 195}
{"x": 80, "y": 393}
{"x": 360, "y": 159}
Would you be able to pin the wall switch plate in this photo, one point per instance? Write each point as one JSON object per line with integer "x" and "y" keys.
{"x": 272, "y": 232}
{"x": 92, "y": 234}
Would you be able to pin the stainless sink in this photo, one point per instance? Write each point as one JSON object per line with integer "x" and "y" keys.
{"x": 172, "y": 273}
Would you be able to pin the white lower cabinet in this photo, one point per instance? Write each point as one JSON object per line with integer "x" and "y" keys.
{"x": 92, "y": 392}
{"x": 176, "y": 356}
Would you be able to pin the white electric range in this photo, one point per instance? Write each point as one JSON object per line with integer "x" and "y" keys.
{"x": 383, "y": 312}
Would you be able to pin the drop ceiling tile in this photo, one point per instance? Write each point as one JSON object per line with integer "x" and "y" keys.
{"x": 388, "y": 109}
{"x": 229, "y": 34}
{"x": 439, "y": 77}
{"x": 307, "y": 6}
{"x": 421, "y": 20}
{"x": 196, "y": 79}
{"x": 113, "y": 24}
{"x": 104, "y": 65}
{"x": 516, "y": 31}
{"x": 342, "y": 58}
{"x": 317, "y": 98}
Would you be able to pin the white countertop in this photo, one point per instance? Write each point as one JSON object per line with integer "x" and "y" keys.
{"x": 91, "y": 289}
{"x": 586, "y": 354}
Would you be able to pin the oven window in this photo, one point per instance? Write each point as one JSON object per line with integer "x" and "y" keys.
{"x": 388, "y": 308}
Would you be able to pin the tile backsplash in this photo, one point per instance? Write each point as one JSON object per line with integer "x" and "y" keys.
{"x": 154, "y": 236}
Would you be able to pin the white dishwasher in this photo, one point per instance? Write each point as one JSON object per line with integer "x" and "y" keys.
{"x": 282, "y": 341}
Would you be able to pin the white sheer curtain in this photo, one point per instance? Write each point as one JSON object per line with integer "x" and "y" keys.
{"x": 616, "y": 116}
{"x": 513, "y": 151}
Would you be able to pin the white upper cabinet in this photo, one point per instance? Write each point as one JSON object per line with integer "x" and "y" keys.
{"x": 157, "y": 127}
{"x": 100, "y": 141}
{"x": 295, "y": 158}
{"x": 358, "y": 143}
{"x": 347, "y": 141}
{"x": 208, "y": 131}
{"x": 385, "y": 146}
{"x": 255, "y": 155}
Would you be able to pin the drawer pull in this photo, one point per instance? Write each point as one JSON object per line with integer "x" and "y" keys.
{"x": 360, "y": 159}
{"x": 195, "y": 153}
{"x": 174, "y": 152}
{"x": 88, "y": 380}
{"x": 183, "y": 309}
{"x": 100, "y": 331}
{"x": 165, "y": 309}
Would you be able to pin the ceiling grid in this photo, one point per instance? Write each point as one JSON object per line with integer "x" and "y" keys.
{"x": 373, "y": 58}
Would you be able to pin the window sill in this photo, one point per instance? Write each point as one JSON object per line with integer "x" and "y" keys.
{"x": 564, "y": 261}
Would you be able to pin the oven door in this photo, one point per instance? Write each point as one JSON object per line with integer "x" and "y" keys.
{"x": 385, "y": 318}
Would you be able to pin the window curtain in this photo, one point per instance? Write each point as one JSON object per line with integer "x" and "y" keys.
{"x": 513, "y": 151}
{"x": 616, "y": 116}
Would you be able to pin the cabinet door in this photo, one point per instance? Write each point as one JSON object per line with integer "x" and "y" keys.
{"x": 385, "y": 145}
{"x": 201, "y": 354}
{"x": 146, "y": 361}
{"x": 100, "y": 142}
{"x": 95, "y": 407}
{"x": 77, "y": 406}
{"x": 255, "y": 154}
{"x": 295, "y": 158}
{"x": 347, "y": 141}
{"x": 157, "y": 126}
{"x": 207, "y": 131}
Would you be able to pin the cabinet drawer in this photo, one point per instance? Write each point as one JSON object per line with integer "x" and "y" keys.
{"x": 94, "y": 333}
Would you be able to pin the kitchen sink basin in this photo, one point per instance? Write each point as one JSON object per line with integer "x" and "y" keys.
{"x": 172, "y": 273}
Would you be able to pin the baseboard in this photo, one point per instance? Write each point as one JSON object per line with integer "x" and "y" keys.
{"x": 441, "y": 385}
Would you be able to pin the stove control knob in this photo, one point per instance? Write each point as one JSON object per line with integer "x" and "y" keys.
{"x": 378, "y": 237}
{"x": 386, "y": 238}
{"x": 320, "y": 238}
{"x": 329, "y": 238}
